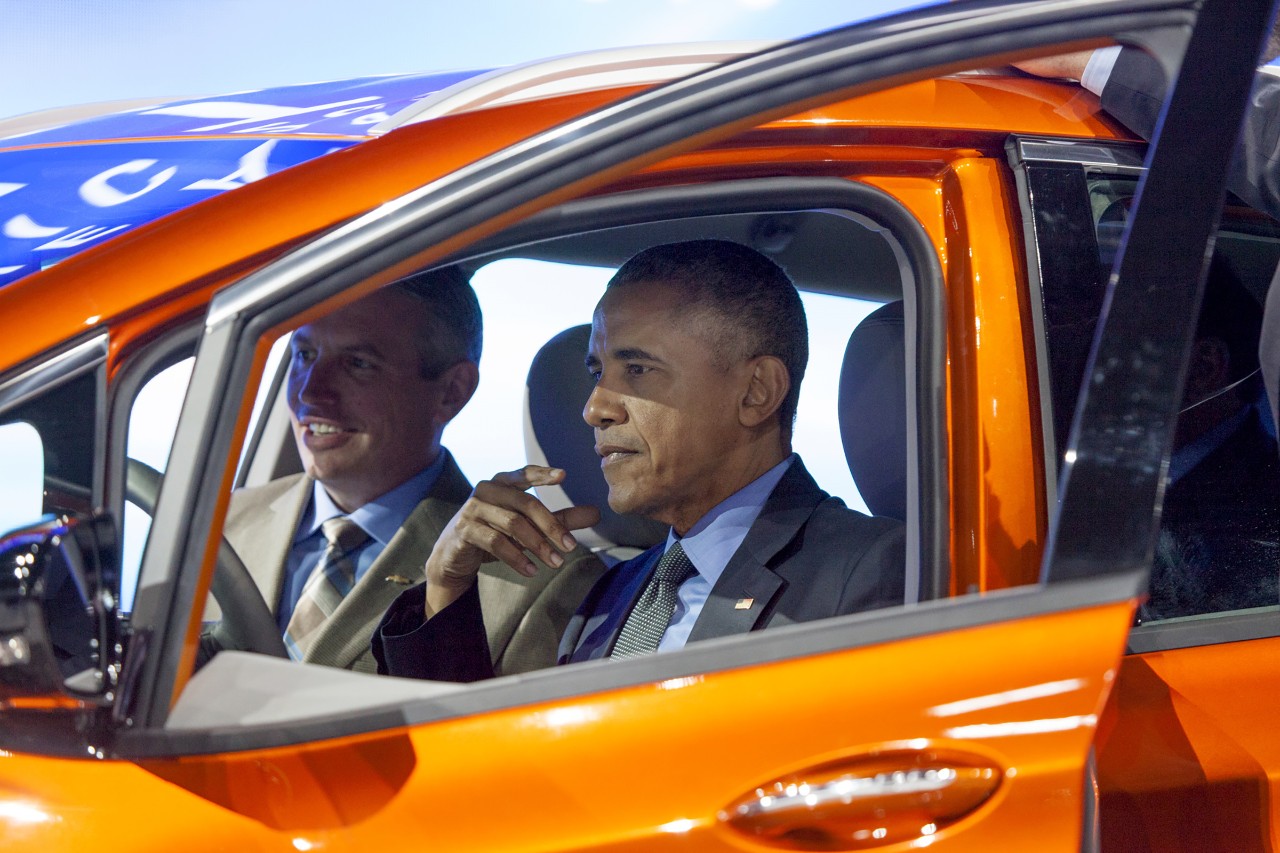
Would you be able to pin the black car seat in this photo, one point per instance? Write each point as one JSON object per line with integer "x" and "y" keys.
{"x": 873, "y": 410}
{"x": 555, "y": 434}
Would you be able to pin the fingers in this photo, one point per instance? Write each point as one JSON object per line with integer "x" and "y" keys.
{"x": 578, "y": 517}
{"x": 504, "y": 522}
{"x": 529, "y": 476}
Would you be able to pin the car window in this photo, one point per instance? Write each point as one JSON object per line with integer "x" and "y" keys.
{"x": 1219, "y": 536}
{"x": 22, "y": 471}
{"x": 48, "y": 446}
{"x": 152, "y": 421}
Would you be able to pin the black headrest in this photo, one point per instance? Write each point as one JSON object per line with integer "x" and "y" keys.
{"x": 873, "y": 410}
{"x": 558, "y": 388}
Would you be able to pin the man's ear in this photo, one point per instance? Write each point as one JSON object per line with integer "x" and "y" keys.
{"x": 457, "y": 385}
{"x": 767, "y": 385}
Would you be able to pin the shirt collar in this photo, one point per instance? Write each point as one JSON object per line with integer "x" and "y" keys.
{"x": 380, "y": 517}
{"x": 712, "y": 541}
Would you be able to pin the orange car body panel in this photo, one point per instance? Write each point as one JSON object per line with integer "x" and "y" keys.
{"x": 542, "y": 762}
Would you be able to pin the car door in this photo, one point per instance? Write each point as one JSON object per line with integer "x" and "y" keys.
{"x": 964, "y": 722}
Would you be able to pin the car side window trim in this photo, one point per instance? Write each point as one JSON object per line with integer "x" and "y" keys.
{"x": 52, "y": 371}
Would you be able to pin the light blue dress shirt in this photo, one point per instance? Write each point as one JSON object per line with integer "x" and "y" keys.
{"x": 380, "y": 518}
{"x": 710, "y": 544}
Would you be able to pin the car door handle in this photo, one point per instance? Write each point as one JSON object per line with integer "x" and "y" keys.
{"x": 867, "y": 801}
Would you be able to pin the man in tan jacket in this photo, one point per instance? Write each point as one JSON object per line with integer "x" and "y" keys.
{"x": 371, "y": 388}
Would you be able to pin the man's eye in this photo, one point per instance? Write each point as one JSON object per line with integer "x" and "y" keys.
{"x": 637, "y": 369}
{"x": 360, "y": 363}
{"x": 305, "y": 356}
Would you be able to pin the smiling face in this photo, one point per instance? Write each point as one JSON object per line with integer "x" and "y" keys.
{"x": 668, "y": 417}
{"x": 364, "y": 417}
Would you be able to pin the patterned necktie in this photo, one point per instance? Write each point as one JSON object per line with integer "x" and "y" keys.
{"x": 648, "y": 621}
{"x": 330, "y": 580}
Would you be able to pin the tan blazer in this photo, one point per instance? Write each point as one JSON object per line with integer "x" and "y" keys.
{"x": 524, "y": 617}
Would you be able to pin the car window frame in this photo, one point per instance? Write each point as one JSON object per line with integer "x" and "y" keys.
{"x": 928, "y": 521}
{"x": 422, "y": 226}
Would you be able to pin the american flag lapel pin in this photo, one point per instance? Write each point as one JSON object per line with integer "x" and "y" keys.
{"x": 744, "y": 604}
{"x": 400, "y": 579}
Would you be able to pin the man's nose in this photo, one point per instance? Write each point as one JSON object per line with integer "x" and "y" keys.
{"x": 314, "y": 382}
{"x": 603, "y": 408}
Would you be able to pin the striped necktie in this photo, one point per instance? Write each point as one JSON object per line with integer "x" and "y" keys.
{"x": 650, "y": 617}
{"x": 330, "y": 580}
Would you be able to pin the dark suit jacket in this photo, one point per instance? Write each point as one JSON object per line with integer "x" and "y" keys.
{"x": 1219, "y": 543}
{"x": 806, "y": 557}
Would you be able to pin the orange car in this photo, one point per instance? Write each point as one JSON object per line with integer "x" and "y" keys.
{"x": 1012, "y": 395}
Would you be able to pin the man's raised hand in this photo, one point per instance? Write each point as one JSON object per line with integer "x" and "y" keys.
{"x": 501, "y": 520}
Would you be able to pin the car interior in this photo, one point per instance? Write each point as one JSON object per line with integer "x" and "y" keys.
{"x": 856, "y": 276}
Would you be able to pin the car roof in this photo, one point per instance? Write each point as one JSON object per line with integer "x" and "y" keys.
{"x": 233, "y": 232}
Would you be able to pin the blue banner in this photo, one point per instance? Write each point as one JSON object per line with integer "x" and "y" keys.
{"x": 55, "y": 202}
{"x": 68, "y": 188}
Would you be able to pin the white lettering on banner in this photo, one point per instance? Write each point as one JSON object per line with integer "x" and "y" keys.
{"x": 245, "y": 113}
{"x": 81, "y": 236}
{"x": 6, "y": 188}
{"x": 99, "y": 192}
{"x": 7, "y": 270}
{"x": 23, "y": 227}
{"x": 273, "y": 127}
{"x": 353, "y": 110}
{"x": 252, "y": 167}
{"x": 371, "y": 118}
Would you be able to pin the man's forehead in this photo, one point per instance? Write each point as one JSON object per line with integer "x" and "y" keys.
{"x": 653, "y": 317}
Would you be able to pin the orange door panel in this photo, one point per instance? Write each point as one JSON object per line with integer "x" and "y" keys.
{"x": 1188, "y": 755}
{"x": 969, "y": 739}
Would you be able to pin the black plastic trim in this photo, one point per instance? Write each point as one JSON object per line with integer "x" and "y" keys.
{"x": 1209, "y": 629}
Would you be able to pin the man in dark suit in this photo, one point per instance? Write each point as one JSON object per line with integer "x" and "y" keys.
{"x": 698, "y": 350}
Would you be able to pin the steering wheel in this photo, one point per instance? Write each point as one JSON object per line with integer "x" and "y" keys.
{"x": 247, "y": 624}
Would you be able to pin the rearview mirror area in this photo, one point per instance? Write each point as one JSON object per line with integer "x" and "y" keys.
{"x": 59, "y": 635}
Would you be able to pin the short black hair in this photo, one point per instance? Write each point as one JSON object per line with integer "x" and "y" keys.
{"x": 457, "y": 328}
{"x": 753, "y": 303}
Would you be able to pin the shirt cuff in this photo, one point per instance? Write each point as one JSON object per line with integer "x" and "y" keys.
{"x": 1098, "y": 70}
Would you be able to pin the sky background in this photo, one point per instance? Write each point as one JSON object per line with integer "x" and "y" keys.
{"x": 61, "y": 52}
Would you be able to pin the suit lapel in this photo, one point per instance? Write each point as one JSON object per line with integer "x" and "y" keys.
{"x": 262, "y": 535}
{"x": 743, "y": 597}
{"x": 346, "y": 635}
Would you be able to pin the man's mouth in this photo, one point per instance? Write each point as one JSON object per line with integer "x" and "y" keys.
{"x": 325, "y": 429}
{"x": 611, "y": 453}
